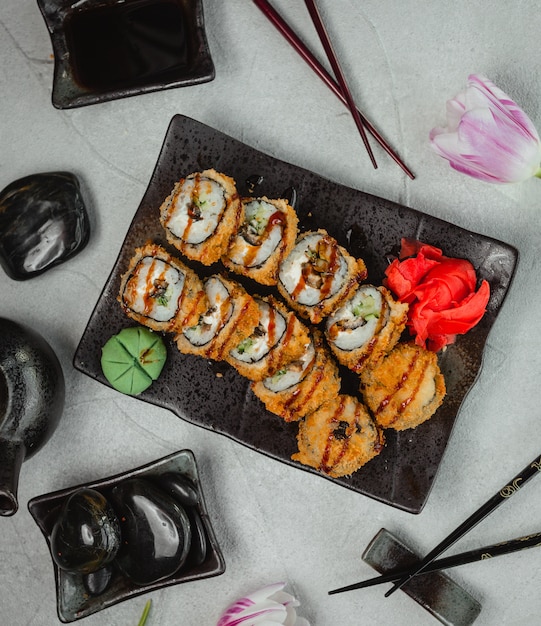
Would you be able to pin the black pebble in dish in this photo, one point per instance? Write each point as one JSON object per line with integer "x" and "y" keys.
{"x": 156, "y": 532}
{"x": 97, "y": 582}
{"x": 198, "y": 548}
{"x": 80, "y": 595}
{"x": 179, "y": 487}
{"x": 86, "y": 535}
{"x": 108, "y": 49}
{"x": 32, "y": 391}
{"x": 43, "y": 222}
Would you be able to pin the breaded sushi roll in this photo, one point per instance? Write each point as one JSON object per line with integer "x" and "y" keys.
{"x": 318, "y": 275}
{"x": 278, "y": 339}
{"x": 302, "y": 385}
{"x": 231, "y": 316}
{"x": 201, "y": 215}
{"x": 405, "y": 389}
{"x": 160, "y": 292}
{"x": 366, "y": 327}
{"x": 339, "y": 437}
{"x": 266, "y": 236}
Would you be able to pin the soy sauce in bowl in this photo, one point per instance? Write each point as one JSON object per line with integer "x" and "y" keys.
{"x": 128, "y": 43}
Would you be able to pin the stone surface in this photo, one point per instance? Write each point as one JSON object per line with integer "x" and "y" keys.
{"x": 403, "y": 60}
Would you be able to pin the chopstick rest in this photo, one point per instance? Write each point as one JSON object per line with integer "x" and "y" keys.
{"x": 436, "y": 592}
{"x": 333, "y": 60}
{"x": 472, "y": 556}
{"x": 504, "y": 494}
{"x": 295, "y": 41}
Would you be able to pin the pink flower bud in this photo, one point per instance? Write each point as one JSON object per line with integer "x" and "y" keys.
{"x": 488, "y": 136}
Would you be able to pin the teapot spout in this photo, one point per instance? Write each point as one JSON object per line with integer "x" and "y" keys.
{"x": 12, "y": 454}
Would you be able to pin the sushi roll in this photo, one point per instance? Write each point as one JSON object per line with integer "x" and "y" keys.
{"x": 303, "y": 385}
{"x": 201, "y": 215}
{"x": 339, "y": 437}
{"x": 231, "y": 316}
{"x": 278, "y": 339}
{"x": 160, "y": 292}
{"x": 266, "y": 236}
{"x": 366, "y": 327}
{"x": 405, "y": 389}
{"x": 318, "y": 275}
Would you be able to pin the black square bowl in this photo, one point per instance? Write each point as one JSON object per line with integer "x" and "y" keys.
{"x": 109, "y": 49}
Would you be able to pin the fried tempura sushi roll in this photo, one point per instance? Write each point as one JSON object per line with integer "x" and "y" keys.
{"x": 318, "y": 275}
{"x": 266, "y": 236}
{"x": 366, "y": 327}
{"x": 302, "y": 385}
{"x": 231, "y": 316}
{"x": 278, "y": 339}
{"x": 405, "y": 389}
{"x": 339, "y": 437}
{"x": 201, "y": 215}
{"x": 160, "y": 292}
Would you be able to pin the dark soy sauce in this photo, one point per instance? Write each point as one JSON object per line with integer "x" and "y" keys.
{"x": 127, "y": 43}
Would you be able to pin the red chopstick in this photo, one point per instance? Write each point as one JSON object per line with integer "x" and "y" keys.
{"x": 292, "y": 38}
{"x": 333, "y": 60}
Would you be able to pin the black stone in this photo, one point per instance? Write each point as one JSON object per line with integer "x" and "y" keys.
{"x": 179, "y": 487}
{"x": 199, "y": 546}
{"x": 156, "y": 531}
{"x": 97, "y": 582}
{"x": 86, "y": 535}
{"x": 43, "y": 222}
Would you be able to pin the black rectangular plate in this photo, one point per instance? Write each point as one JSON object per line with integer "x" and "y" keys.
{"x": 369, "y": 227}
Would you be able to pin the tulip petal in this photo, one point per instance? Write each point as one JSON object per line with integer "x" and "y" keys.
{"x": 267, "y": 606}
{"x": 498, "y": 98}
{"x": 488, "y": 135}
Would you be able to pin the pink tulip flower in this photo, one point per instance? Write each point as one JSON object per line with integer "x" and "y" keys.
{"x": 488, "y": 136}
{"x": 266, "y": 606}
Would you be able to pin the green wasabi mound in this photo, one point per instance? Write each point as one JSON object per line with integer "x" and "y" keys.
{"x": 133, "y": 359}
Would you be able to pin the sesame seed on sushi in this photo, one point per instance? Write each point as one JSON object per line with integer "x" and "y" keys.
{"x": 366, "y": 327}
{"x": 278, "y": 339}
{"x": 266, "y": 236}
{"x": 405, "y": 389}
{"x": 201, "y": 215}
{"x": 302, "y": 385}
{"x": 339, "y": 437}
{"x": 231, "y": 316}
{"x": 159, "y": 291}
{"x": 318, "y": 275}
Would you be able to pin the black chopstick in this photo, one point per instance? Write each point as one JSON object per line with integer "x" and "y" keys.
{"x": 292, "y": 38}
{"x": 504, "y": 494}
{"x": 333, "y": 60}
{"x": 479, "y": 554}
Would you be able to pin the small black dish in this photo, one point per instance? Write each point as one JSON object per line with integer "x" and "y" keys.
{"x": 109, "y": 49}
{"x": 73, "y": 599}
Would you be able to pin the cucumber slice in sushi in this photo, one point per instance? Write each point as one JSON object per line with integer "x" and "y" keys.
{"x": 132, "y": 360}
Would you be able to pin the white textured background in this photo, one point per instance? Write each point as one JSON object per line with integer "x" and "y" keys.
{"x": 403, "y": 61}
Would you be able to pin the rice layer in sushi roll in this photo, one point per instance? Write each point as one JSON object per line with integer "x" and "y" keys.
{"x": 231, "y": 316}
{"x": 405, "y": 389}
{"x": 266, "y": 236}
{"x": 201, "y": 214}
{"x": 339, "y": 437}
{"x": 160, "y": 292}
{"x": 301, "y": 386}
{"x": 366, "y": 327}
{"x": 278, "y": 339}
{"x": 318, "y": 275}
